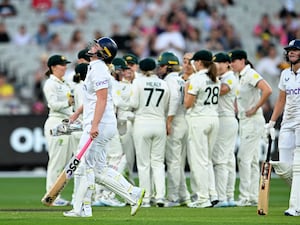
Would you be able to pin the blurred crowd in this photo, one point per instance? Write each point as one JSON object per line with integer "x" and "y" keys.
{"x": 155, "y": 26}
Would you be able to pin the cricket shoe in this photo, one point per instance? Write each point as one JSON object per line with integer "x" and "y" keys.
{"x": 221, "y": 204}
{"x": 139, "y": 200}
{"x": 60, "y": 202}
{"x": 231, "y": 203}
{"x": 98, "y": 203}
{"x": 146, "y": 205}
{"x": 243, "y": 203}
{"x": 198, "y": 204}
{"x": 106, "y": 201}
{"x": 291, "y": 212}
{"x": 171, "y": 204}
{"x": 160, "y": 203}
{"x": 86, "y": 211}
{"x": 214, "y": 202}
{"x": 184, "y": 202}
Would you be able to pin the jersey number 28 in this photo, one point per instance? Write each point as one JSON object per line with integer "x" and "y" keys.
{"x": 212, "y": 95}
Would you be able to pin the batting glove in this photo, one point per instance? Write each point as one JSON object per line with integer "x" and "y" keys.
{"x": 270, "y": 130}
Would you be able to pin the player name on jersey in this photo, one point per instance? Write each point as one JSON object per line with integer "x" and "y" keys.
{"x": 153, "y": 84}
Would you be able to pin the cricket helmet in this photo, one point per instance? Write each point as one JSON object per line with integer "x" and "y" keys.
{"x": 109, "y": 49}
{"x": 294, "y": 44}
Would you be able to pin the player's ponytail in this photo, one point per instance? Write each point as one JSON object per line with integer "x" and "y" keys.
{"x": 212, "y": 70}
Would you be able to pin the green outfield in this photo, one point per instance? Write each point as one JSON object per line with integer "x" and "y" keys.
{"x": 20, "y": 204}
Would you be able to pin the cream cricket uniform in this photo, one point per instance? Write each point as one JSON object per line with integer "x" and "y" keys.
{"x": 176, "y": 141}
{"x": 79, "y": 175}
{"x": 203, "y": 123}
{"x": 94, "y": 161}
{"x": 223, "y": 154}
{"x": 121, "y": 99}
{"x": 289, "y": 135}
{"x": 56, "y": 93}
{"x": 150, "y": 99}
{"x": 78, "y": 101}
{"x": 251, "y": 130}
{"x": 115, "y": 154}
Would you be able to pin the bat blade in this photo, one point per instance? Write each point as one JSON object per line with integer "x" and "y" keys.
{"x": 64, "y": 177}
{"x": 264, "y": 189}
{"x": 264, "y": 185}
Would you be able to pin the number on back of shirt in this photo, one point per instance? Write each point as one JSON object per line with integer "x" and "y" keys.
{"x": 212, "y": 95}
{"x": 154, "y": 94}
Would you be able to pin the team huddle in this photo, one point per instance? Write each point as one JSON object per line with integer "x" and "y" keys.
{"x": 161, "y": 113}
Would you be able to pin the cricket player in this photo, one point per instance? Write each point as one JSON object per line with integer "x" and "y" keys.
{"x": 133, "y": 63}
{"x": 201, "y": 102}
{"x": 177, "y": 131}
{"x": 150, "y": 100}
{"x": 253, "y": 92}
{"x": 223, "y": 154}
{"x": 60, "y": 104}
{"x": 288, "y": 102}
{"x": 187, "y": 69}
{"x": 100, "y": 124}
{"x": 125, "y": 116}
{"x": 116, "y": 157}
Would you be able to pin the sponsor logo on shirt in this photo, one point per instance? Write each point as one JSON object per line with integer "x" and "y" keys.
{"x": 101, "y": 83}
{"x": 293, "y": 91}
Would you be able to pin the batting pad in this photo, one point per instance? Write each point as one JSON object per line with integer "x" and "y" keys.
{"x": 115, "y": 182}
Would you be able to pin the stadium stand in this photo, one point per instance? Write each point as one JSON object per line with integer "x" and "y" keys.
{"x": 21, "y": 62}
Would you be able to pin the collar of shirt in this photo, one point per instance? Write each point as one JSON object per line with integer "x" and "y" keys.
{"x": 244, "y": 70}
{"x": 52, "y": 77}
{"x": 202, "y": 71}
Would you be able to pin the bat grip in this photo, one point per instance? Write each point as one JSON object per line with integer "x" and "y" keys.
{"x": 84, "y": 148}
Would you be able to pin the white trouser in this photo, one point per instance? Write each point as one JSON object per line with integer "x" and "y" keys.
{"x": 95, "y": 160}
{"x": 223, "y": 155}
{"x": 251, "y": 132}
{"x": 202, "y": 136}
{"x": 59, "y": 151}
{"x": 176, "y": 159}
{"x": 128, "y": 147}
{"x": 150, "y": 141}
{"x": 289, "y": 153}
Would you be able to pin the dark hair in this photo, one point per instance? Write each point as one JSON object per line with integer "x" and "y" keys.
{"x": 76, "y": 78}
{"x": 212, "y": 70}
{"x": 247, "y": 62}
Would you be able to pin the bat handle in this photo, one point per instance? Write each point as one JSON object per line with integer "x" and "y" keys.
{"x": 84, "y": 148}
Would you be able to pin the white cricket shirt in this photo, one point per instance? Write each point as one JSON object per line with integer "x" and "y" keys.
{"x": 149, "y": 97}
{"x": 98, "y": 77}
{"x": 290, "y": 83}
{"x": 247, "y": 94}
{"x": 207, "y": 95}
{"x": 226, "y": 102}
{"x": 57, "y": 94}
{"x": 176, "y": 87}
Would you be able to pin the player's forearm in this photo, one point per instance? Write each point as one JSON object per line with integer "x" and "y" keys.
{"x": 99, "y": 111}
{"x": 279, "y": 107}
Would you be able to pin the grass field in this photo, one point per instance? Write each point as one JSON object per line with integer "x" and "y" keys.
{"x": 20, "y": 204}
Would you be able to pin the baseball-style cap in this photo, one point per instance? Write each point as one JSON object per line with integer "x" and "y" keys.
{"x": 147, "y": 64}
{"x": 119, "y": 63}
{"x": 131, "y": 58}
{"x": 202, "y": 55}
{"x": 237, "y": 54}
{"x": 57, "y": 60}
{"x": 83, "y": 54}
{"x": 221, "y": 57}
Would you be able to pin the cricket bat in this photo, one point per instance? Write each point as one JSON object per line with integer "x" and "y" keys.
{"x": 264, "y": 186}
{"x": 65, "y": 176}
